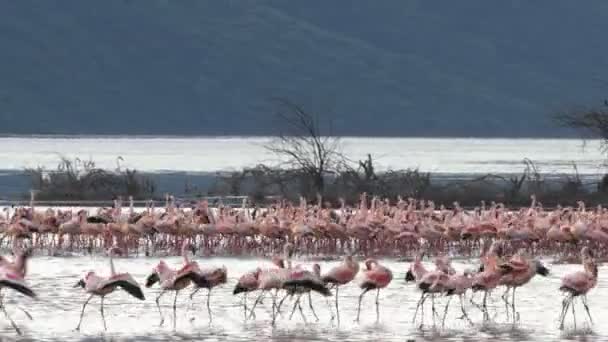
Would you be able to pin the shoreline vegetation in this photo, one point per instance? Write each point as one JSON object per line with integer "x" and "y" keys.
{"x": 77, "y": 180}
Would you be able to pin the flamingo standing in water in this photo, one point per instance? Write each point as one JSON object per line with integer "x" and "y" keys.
{"x": 12, "y": 275}
{"x": 302, "y": 281}
{"x": 214, "y": 277}
{"x": 578, "y": 284}
{"x": 431, "y": 283}
{"x": 248, "y": 282}
{"x": 341, "y": 275}
{"x": 458, "y": 284}
{"x": 519, "y": 270}
{"x": 489, "y": 276}
{"x": 175, "y": 280}
{"x": 273, "y": 279}
{"x": 416, "y": 273}
{"x": 375, "y": 277}
{"x": 100, "y": 286}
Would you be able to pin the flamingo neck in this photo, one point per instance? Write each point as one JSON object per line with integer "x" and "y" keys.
{"x": 112, "y": 269}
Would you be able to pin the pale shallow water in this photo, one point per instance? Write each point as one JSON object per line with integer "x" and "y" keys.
{"x": 56, "y": 313}
{"x": 208, "y": 154}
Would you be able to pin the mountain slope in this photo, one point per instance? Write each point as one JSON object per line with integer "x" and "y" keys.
{"x": 378, "y": 68}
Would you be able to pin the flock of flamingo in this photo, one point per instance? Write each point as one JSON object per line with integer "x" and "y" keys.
{"x": 373, "y": 227}
{"x": 506, "y": 242}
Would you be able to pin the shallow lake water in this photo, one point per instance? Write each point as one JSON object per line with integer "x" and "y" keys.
{"x": 55, "y": 313}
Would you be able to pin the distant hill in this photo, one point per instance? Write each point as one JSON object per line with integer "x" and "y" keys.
{"x": 391, "y": 67}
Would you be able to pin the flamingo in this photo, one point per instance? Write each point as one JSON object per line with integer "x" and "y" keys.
{"x": 458, "y": 284}
{"x": 375, "y": 277}
{"x": 489, "y": 276}
{"x": 100, "y": 286}
{"x": 213, "y": 278}
{"x": 12, "y": 275}
{"x": 248, "y": 282}
{"x": 273, "y": 279}
{"x": 175, "y": 280}
{"x": 431, "y": 283}
{"x": 341, "y": 275}
{"x": 416, "y": 273}
{"x": 302, "y": 281}
{"x": 578, "y": 284}
{"x": 519, "y": 270}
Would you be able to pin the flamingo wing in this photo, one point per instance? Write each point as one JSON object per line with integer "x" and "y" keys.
{"x": 18, "y": 286}
{"x": 307, "y": 283}
{"x": 198, "y": 279}
{"x": 126, "y": 282}
{"x": 575, "y": 282}
{"x": 132, "y": 289}
{"x": 514, "y": 265}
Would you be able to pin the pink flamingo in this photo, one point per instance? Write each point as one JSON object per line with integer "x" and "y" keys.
{"x": 375, "y": 277}
{"x": 175, "y": 280}
{"x": 458, "y": 284}
{"x": 341, "y": 275}
{"x": 273, "y": 279}
{"x": 416, "y": 273}
{"x": 577, "y": 284}
{"x": 519, "y": 270}
{"x": 12, "y": 275}
{"x": 248, "y": 282}
{"x": 214, "y": 277}
{"x": 489, "y": 276}
{"x": 302, "y": 281}
{"x": 100, "y": 286}
{"x": 431, "y": 283}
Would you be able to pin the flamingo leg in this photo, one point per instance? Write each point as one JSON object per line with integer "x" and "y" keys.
{"x": 433, "y": 308}
{"x": 506, "y": 300}
{"x": 175, "y": 310}
{"x": 9, "y": 318}
{"x": 513, "y": 312}
{"x": 484, "y": 305}
{"x": 209, "y": 306}
{"x": 565, "y": 305}
{"x": 274, "y": 304}
{"x": 359, "y": 308}
{"x": 464, "y": 312}
{"x": 311, "y": 307}
{"x": 103, "y": 317}
{"x": 281, "y": 303}
{"x": 337, "y": 308}
{"x": 420, "y": 301}
{"x": 257, "y": 300}
{"x": 295, "y": 305}
{"x": 26, "y": 313}
{"x": 302, "y": 312}
{"x": 81, "y": 313}
{"x": 377, "y": 305}
{"x": 162, "y": 319}
{"x": 573, "y": 313}
{"x": 245, "y": 305}
{"x": 194, "y": 292}
{"x": 584, "y": 299}
{"x": 445, "y": 312}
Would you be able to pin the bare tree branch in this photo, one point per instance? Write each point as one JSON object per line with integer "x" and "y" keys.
{"x": 303, "y": 144}
{"x": 590, "y": 122}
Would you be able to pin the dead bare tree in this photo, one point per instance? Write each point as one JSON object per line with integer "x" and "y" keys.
{"x": 591, "y": 122}
{"x": 303, "y": 144}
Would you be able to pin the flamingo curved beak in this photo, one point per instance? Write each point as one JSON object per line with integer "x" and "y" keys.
{"x": 80, "y": 283}
{"x": 542, "y": 270}
{"x": 152, "y": 279}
